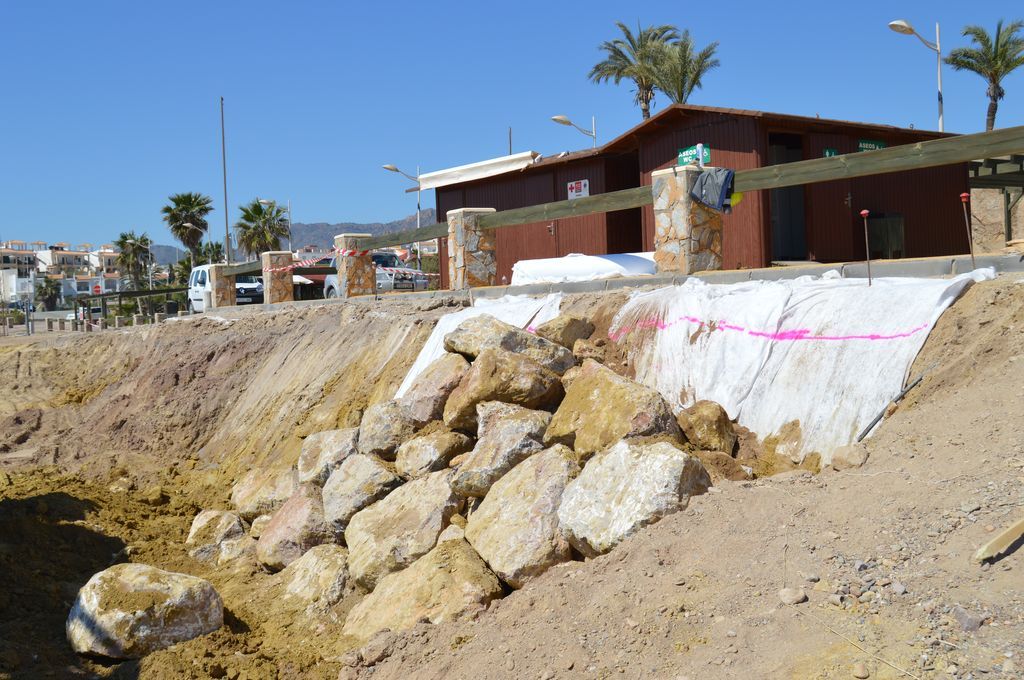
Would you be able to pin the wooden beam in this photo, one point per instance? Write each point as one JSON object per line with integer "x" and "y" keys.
{"x": 398, "y": 238}
{"x": 613, "y": 200}
{"x": 252, "y": 267}
{"x": 933, "y": 153}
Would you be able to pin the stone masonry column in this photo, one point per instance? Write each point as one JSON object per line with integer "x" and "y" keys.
{"x": 472, "y": 260}
{"x": 687, "y": 234}
{"x": 277, "y": 286}
{"x": 356, "y": 273}
{"x": 222, "y": 286}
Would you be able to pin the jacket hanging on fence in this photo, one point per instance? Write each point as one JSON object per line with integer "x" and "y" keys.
{"x": 714, "y": 189}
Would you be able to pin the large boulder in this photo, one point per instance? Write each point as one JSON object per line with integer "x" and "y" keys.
{"x": 390, "y": 534}
{"x": 498, "y": 375}
{"x": 450, "y": 582}
{"x": 131, "y": 610}
{"x": 323, "y": 452}
{"x": 430, "y": 452}
{"x": 425, "y": 399}
{"x": 319, "y": 576}
{"x": 383, "y": 428}
{"x": 722, "y": 466}
{"x": 508, "y": 435}
{"x": 296, "y": 527}
{"x": 261, "y": 492}
{"x": 601, "y": 407}
{"x": 565, "y": 330}
{"x": 478, "y": 333}
{"x": 629, "y": 486}
{"x": 706, "y": 425}
{"x": 210, "y": 531}
{"x": 515, "y": 529}
{"x": 358, "y": 482}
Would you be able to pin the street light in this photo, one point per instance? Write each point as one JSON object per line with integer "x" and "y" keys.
{"x": 264, "y": 201}
{"x": 393, "y": 168}
{"x": 191, "y": 257}
{"x": 903, "y": 27}
{"x": 564, "y": 120}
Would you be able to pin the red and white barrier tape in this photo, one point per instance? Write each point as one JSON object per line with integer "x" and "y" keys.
{"x": 347, "y": 253}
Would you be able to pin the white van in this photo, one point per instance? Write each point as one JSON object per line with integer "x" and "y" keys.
{"x": 248, "y": 289}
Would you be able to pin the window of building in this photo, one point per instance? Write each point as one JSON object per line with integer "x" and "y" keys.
{"x": 82, "y": 286}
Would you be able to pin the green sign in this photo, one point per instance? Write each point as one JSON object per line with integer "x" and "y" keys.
{"x": 688, "y": 156}
{"x": 870, "y": 145}
{"x": 831, "y": 152}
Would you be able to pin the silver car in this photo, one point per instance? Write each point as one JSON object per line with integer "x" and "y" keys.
{"x": 406, "y": 278}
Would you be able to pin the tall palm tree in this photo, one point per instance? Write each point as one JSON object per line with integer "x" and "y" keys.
{"x": 991, "y": 59}
{"x": 212, "y": 252}
{"x": 188, "y": 208}
{"x": 634, "y": 57}
{"x": 48, "y": 291}
{"x": 261, "y": 227}
{"x": 133, "y": 256}
{"x": 679, "y": 69}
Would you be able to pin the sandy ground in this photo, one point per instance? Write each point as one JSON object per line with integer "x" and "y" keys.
{"x": 91, "y": 426}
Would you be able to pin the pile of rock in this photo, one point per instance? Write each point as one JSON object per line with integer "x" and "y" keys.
{"x": 508, "y": 455}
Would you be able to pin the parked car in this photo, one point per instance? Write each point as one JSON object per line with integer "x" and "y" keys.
{"x": 406, "y": 278}
{"x": 95, "y": 312}
{"x": 248, "y": 289}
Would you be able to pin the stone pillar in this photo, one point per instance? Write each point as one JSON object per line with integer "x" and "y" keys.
{"x": 356, "y": 273}
{"x": 118, "y": 322}
{"x": 277, "y": 285}
{"x": 61, "y": 325}
{"x": 138, "y": 319}
{"x": 103, "y": 324}
{"x": 49, "y": 325}
{"x": 182, "y": 312}
{"x": 222, "y": 287}
{"x": 87, "y": 326}
{"x": 472, "y": 261}
{"x": 158, "y": 317}
{"x": 687, "y": 234}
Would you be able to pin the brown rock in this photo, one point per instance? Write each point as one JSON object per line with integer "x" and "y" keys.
{"x": 296, "y": 527}
{"x": 210, "y": 529}
{"x": 722, "y": 466}
{"x": 588, "y": 349}
{"x": 498, "y": 375}
{"x": 448, "y": 583}
{"x": 565, "y": 330}
{"x": 425, "y": 399}
{"x": 383, "y": 428}
{"x": 358, "y": 482}
{"x": 850, "y": 456}
{"x": 706, "y": 425}
{"x": 323, "y": 452}
{"x": 478, "y": 333}
{"x": 261, "y": 492}
{"x": 430, "y": 452}
{"x": 508, "y": 435}
{"x": 601, "y": 408}
{"x": 319, "y": 576}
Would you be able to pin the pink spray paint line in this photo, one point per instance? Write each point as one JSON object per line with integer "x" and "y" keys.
{"x": 774, "y": 336}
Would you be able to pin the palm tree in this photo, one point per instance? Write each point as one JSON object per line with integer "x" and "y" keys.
{"x": 212, "y": 252}
{"x": 48, "y": 291}
{"x": 133, "y": 256}
{"x": 261, "y": 227}
{"x": 991, "y": 59}
{"x": 679, "y": 70}
{"x": 634, "y": 57}
{"x": 189, "y": 208}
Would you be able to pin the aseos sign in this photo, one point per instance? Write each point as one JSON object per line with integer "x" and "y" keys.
{"x": 579, "y": 188}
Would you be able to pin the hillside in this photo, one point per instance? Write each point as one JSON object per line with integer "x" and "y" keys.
{"x": 322, "y": 234}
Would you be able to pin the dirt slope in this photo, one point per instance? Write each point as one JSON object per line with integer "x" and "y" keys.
{"x": 194, "y": 406}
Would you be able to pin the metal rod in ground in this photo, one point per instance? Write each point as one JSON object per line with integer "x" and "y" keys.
{"x": 964, "y": 198}
{"x": 867, "y": 248}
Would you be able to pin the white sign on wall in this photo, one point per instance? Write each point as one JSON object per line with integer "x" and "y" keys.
{"x": 579, "y": 188}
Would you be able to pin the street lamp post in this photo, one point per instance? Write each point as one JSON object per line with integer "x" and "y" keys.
{"x": 268, "y": 202}
{"x": 392, "y": 168}
{"x": 149, "y": 250}
{"x": 191, "y": 256}
{"x": 564, "y": 120}
{"x": 903, "y": 27}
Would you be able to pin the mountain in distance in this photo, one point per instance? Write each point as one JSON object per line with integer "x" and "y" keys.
{"x": 317, "y": 234}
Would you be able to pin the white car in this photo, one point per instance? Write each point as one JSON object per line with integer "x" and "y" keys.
{"x": 248, "y": 289}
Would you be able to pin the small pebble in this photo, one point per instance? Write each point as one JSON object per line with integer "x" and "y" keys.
{"x": 860, "y": 670}
{"x": 792, "y": 595}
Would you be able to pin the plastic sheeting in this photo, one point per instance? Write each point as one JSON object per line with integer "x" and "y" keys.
{"x": 577, "y": 267}
{"x": 809, "y": 360}
{"x": 518, "y": 310}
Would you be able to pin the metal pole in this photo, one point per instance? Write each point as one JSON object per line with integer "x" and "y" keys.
{"x": 867, "y": 248}
{"x": 509, "y": 147}
{"x": 593, "y": 128}
{"x": 938, "y": 54}
{"x": 964, "y": 197}
{"x": 289, "y": 224}
{"x": 419, "y": 265}
{"x": 149, "y": 250}
{"x": 224, "y": 168}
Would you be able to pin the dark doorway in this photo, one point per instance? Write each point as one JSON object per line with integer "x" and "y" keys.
{"x": 789, "y": 227}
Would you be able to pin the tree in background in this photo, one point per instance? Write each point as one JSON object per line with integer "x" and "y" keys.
{"x": 634, "y": 57}
{"x": 133, "y": 256}
{"x": 211, "y": 253}
{"x": 261, "y": 227}
{"x": 48, "y": 292}
{"x": 991, "y": 59}
{"x": 678, "y": 70}
{"x": 188, "y": 208}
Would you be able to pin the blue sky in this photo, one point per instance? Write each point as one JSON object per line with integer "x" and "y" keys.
{"x": 109, "y": 107}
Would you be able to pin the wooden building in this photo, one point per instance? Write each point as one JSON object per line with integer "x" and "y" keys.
{"x": 914, "y": 214}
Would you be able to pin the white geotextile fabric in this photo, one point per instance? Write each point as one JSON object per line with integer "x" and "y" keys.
{"x": 828, "y": 353}
{"x": 518, "y": 310}
{"x": 577, "y": 267}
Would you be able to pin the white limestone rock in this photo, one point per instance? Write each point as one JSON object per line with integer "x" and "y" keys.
{"x": 323, "y": 452}
{"x": 358, "y": 482}
{"x": 210, "y": 530}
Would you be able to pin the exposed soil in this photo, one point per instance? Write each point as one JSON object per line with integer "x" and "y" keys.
{"x": 93, "y": 424}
